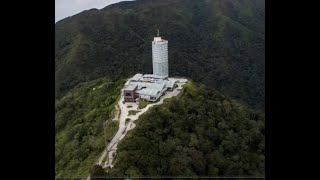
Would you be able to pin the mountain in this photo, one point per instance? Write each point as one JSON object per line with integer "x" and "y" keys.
{"x": 79, "y": 125}
{"x": 202, "y": 133}
{"x": 219, "y": 43}
{"x": 199, "y": 133}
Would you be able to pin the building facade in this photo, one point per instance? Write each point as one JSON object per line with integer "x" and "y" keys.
{"x": 130, "y": 93}
{"x": 160, "y": 57}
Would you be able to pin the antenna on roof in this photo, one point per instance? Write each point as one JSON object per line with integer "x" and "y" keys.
{"x": 158, "y": 33}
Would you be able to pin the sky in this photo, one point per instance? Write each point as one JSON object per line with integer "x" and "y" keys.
{"x": 66, "y": 8}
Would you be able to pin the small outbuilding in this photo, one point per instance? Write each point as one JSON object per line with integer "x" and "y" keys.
{"x": 129, "y": 93}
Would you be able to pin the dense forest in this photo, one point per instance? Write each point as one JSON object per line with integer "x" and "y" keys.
{"x": 219, "y": 43}
{"x": 82, "y": 115}
{"x": 201, "y": 133}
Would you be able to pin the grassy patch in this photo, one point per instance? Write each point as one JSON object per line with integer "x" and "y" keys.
{"x": 143, "y": 104}
{"x": 133, "y": 112}
{"x": 111, "y": 129}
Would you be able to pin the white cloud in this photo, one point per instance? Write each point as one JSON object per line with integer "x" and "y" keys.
{"x": 66, "y": 8}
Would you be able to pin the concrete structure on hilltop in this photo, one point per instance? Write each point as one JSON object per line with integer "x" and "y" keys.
{"x": 160, "y": 57}
{"x": 130, "y": 93}
{"x": 148, "y": 87}
{"x": 151, "y": 86}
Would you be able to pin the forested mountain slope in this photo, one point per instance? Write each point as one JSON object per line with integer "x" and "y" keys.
{"x": 219, "y": 43}
{"x": 79, "y": 125}
{"x": 202, "y": 133}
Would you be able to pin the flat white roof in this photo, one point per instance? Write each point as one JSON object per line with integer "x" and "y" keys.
{"x": 157, "y": 85}
{"x": 136, "y": 77}
{"x": 131, "y": 87}
{"x": 149, "y": 92}
{"x": 170, "y": 83}
{"x": 151, "y": 76}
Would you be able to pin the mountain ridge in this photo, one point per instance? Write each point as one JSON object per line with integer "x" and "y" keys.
{"x": 218, "y": 43}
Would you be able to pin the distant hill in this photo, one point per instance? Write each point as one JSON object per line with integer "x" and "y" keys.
{"x": 219, "y": 43}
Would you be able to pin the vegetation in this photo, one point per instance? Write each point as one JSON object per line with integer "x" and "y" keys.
{"x": 127, "y": 120}
{"x": 96, "y": 172}
{"x": 219, "y": 43}
{"x": 203, "y": 133}
{"x": 80, "y": 117}
{"x": 133, "y": 112}
{"x": 143, "y": 104}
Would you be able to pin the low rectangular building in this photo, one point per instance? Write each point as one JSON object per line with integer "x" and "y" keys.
{"x": 129, "y": 93}
{"x": 148, "y": 87}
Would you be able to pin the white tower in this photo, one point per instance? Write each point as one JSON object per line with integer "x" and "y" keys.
{"x": 160, "y": 57}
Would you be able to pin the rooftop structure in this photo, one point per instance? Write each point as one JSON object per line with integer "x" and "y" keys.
{"x": 129, "y": 92}
{"x": 131, "y": 87}
{"x": 148, "y": 86}
{"x": 136, "y": 77}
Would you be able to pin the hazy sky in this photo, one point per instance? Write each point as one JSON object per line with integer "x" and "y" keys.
{"x": 65, "y": 8}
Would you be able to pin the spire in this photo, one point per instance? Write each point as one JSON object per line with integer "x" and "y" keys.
{"x": 158, "y": 33}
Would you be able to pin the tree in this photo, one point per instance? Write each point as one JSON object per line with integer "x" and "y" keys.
{"x": 96, "y": 172}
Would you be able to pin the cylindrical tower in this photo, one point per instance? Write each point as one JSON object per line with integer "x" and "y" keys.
{"x": 160, "y": 57}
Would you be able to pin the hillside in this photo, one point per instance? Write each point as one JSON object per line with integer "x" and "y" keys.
{"x": 80, "y": 115}
{"x": 203, "y": 133}
{"x": 219, "y": 43}
{"x": 200, "y": 133}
